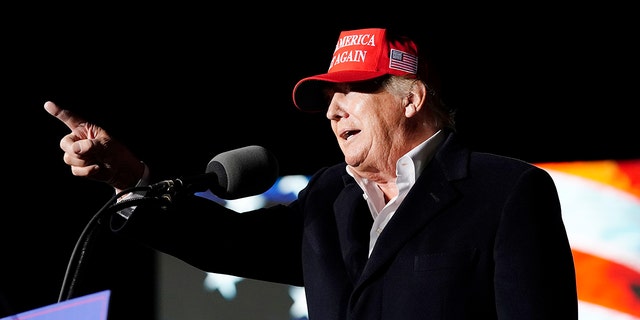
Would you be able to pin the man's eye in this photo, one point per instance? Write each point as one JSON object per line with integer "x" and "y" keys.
{"x": 368, "y": 86}
{"x": 327, "y": 94}
{"x": 364, "y": 86}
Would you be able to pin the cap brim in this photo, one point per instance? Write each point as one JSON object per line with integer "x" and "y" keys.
{"x": 308, "y": 93}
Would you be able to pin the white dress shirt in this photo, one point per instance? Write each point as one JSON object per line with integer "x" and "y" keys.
{"x": 408, "y": 168}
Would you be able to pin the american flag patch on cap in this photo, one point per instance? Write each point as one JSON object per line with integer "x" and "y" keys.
{"x": 403, "y": 61}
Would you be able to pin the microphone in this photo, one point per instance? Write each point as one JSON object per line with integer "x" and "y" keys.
{"x": 234, "y": 174}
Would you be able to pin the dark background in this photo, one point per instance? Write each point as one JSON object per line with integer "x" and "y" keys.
{"x": 180, "y": 84}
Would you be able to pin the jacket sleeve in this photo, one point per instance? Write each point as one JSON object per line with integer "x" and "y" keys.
{"x": 534, "y": 269}
{"x": 213, "y": 238}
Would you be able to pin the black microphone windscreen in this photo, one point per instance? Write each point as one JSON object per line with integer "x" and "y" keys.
{"x": 244, "y": 172}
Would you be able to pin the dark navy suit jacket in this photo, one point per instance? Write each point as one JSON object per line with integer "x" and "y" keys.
{"x": 479, "y": 236}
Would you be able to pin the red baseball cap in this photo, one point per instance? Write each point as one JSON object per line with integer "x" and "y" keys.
{"x": 362, "y": 54}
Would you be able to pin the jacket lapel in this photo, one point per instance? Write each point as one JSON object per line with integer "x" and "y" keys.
{"x": 354, "y": 222}
{"x": 431, "y": 193}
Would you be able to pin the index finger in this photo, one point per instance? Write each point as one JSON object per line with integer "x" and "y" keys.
{"x": 70, "y": 119}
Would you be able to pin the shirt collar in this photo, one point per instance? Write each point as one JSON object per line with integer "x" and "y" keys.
{"x": 418, "y": 156}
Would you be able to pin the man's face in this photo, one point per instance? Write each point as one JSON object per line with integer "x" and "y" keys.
{"x": 366, "y": 119}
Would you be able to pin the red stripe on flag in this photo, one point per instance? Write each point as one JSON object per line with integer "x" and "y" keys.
{"x": 607, "y": 283}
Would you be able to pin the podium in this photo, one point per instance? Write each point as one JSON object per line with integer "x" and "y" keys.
{"x": 89, "y": 307}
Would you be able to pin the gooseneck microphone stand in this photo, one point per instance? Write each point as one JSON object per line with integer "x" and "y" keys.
{"x": 81, "y": 248}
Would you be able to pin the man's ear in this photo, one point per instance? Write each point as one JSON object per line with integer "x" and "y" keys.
{"x": 416, "y": 99}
